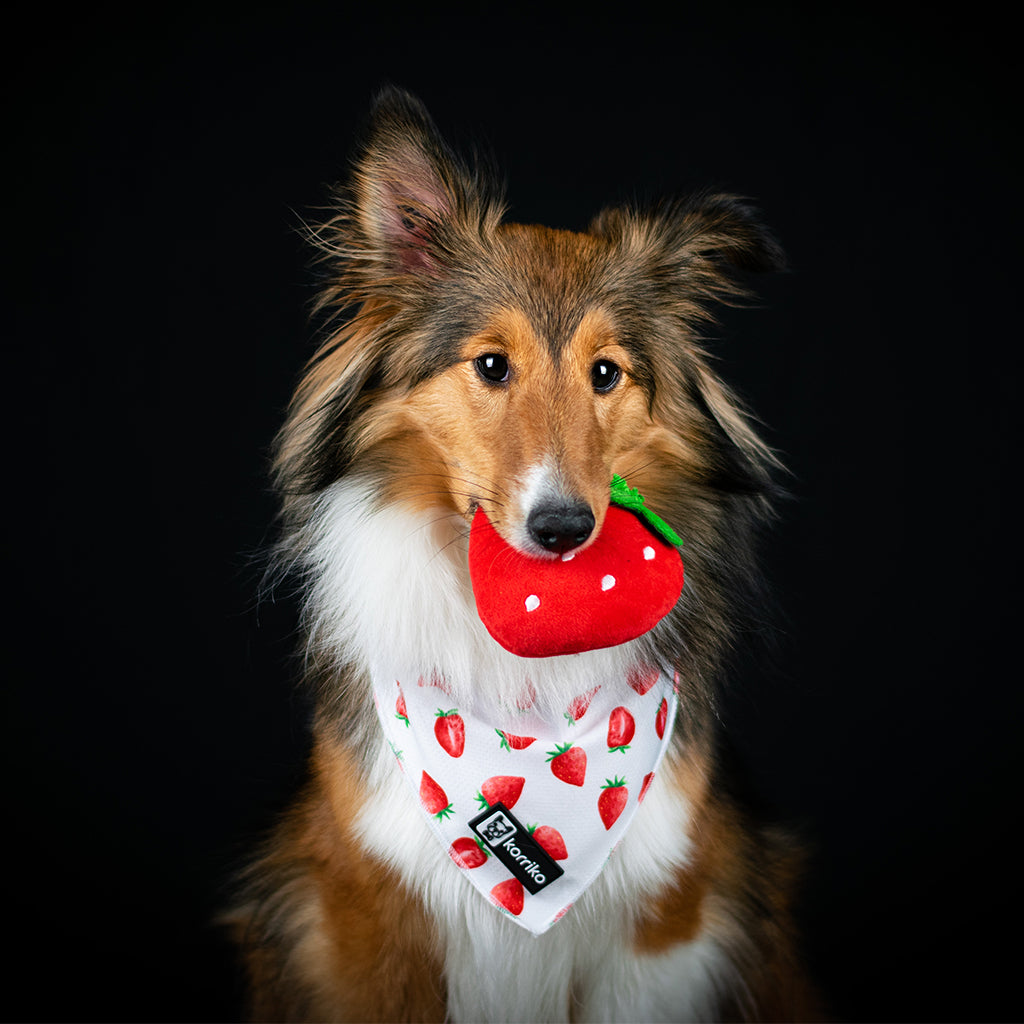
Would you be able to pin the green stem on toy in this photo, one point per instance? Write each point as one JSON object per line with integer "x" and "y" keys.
{"x": 629, "y": 497}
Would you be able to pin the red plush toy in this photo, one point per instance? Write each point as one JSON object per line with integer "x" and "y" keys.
{"x": 613, "y": 591}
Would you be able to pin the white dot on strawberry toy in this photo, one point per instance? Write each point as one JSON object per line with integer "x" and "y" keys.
{"x": 607, "y": 582}
{"x": 532, "y": 603}
{"x": 648, "y": 553}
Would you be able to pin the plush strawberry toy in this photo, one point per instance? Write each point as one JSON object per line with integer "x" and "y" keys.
{"x": 615, "y": 590}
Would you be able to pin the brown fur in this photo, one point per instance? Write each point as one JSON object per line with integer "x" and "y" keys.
{"x": 356, "y": 945}
{"x": 740, "y": 881}
{"x": 417, "y": 248}
{"x": 331, "y": 934}
{"x": 507, "y": 432}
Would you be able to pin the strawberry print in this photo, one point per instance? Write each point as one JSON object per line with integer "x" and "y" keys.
{"x": 612, "y": 801}
{"x": 661, "y": 718}
{"x": 549, "y": 773}
{"x": 527, "y": 698}
{"x": 504, "y": 789}
{"x": 468, "y": 853}
{"x": 550, "y": 840}
{"x": 435, "y": 680}
{"x": 434, "y": 798}
{"x": 450, "y": 731}
{"x": 510, "y": 895}
{"x": 642, "y": 678}
{"x": 511, "y": 742}
{"x": 621, "y": 727}
{"x": 644, "y": 786}
{"x": 578, "y": 705}
{"x": 568, "y": 763}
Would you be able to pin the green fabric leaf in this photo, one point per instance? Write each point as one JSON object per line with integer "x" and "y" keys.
{"x": 629, "y": 497}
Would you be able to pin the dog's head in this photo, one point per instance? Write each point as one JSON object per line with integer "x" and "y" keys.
{"x": 482, "y": 363}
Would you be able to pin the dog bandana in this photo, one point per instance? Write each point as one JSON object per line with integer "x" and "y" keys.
{"x": 528, "y": 808}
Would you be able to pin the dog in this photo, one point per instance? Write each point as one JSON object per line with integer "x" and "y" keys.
{"x": 475, "y": 365}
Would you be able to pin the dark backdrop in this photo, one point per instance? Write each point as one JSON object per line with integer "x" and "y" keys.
{"x": 157, "y": 164}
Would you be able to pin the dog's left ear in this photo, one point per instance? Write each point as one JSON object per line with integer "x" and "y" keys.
{"x": 724, "y": 228}
{"x": 696, "y": 245}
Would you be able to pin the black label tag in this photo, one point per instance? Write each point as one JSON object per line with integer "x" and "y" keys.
{"x": 513, "y": 845}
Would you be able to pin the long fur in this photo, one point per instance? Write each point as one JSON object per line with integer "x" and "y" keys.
{"x": 386, "y": 453}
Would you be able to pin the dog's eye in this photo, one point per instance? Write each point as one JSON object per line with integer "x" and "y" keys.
{"x": 604, "y": 375}
{"x": 492, "y": 367}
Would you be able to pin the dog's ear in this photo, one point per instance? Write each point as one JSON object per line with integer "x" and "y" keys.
{"x": 413, "y": 200}
{"x": 695, "y": 246}
{"x": 720, "y": 228}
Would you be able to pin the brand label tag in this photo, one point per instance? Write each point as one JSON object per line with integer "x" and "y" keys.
{"x": 513, "y": 845}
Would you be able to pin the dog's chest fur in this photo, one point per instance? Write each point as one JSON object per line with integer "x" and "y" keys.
{"x": 583, "y": 968}
{"x": 382, "y": 574}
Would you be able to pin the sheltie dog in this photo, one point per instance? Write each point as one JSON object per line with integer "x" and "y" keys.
{"x": 471, "y": 363}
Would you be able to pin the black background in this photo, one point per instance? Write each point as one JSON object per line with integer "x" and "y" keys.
{"x": 157, "y": 163}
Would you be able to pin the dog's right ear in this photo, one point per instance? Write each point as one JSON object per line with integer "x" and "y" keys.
{"x": 413, "y": 200}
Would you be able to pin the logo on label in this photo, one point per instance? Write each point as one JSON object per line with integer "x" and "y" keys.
{"x": 515, "y": 848}
{"x": 495, "y": 828}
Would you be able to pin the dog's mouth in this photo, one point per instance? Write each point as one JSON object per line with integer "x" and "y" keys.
{"x": 549, "y": 531}
{"x": 544, "y": 514}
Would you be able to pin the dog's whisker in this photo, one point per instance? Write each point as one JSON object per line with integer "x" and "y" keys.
{"x": 475, "y": 489}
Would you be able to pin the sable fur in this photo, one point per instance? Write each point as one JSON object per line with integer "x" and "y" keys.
{"x": 417, "y": 259}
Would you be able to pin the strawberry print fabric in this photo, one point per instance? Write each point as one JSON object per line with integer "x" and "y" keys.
{"x": 574, "y": 783}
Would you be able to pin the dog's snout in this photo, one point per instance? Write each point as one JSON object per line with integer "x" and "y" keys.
{"x": 560, "y": 528}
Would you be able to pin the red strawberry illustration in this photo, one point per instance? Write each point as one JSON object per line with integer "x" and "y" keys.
{"x": 527, "y": 698}
{"x": 400, "y": 710}
{"x": 468, "y": 853}
{"x": 644, "y": 786}
{"x": 505, "y": 789}
{"x": 662, "y": 718}
{"x": 450, "y": 731}
{"x": 434, "y": 798}
{"x": 612, "y": 801}
{"x": 568, "y": 763}
{"x": 621, "y": 726}
{"x": 578, "y": 705}
{"x": 550, "y": 840}
{"x": 436, "y": 680}
{"x": 509, "y": 895}
{"x": 510, "y": 742}
{"x": 642, "y": 678}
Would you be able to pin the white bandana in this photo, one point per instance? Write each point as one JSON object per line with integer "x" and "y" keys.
{"x": 550, "y": 800}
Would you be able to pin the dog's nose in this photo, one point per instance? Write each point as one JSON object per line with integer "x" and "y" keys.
{"x": 562, "y": 527}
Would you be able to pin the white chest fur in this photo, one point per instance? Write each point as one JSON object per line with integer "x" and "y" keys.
{"x": 391, "y": 594}
{"x": 585, "y": 967}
